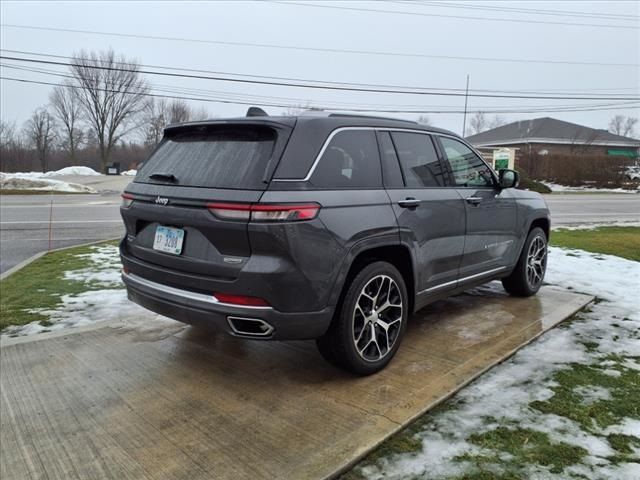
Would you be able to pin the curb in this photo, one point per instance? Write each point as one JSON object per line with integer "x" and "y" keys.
{"x": 33, "y": 258}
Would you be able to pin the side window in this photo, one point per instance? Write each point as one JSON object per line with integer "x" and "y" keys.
{"x": 390, "y": 166}
{"x": 351, "y": 160}
{"x": 467, "y": 168}
{"x": 418, "y": 159}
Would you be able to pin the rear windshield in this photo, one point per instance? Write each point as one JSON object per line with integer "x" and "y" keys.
{"x": 220, "y": 158}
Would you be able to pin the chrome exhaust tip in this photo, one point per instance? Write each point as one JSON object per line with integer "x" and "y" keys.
{"x": 250, "y": 327}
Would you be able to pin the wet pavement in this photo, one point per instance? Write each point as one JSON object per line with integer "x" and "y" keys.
{"x": 152, "y": 398}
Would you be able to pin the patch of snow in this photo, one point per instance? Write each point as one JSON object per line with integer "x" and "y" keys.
{"x": 82, "y": 309}
{"x": 591, "y": 394}
{"x": 21, "y": 181}
{"x": 503, "y": 395}
{"x": 77, "y": 170}
{"x": 593, "y": 226}
{"x": 556, "y": 187}
{"x": 108, "y": 303}
{"x": 129, "y": 173}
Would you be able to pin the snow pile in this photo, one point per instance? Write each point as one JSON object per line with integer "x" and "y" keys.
{"x": 28, "y": 181}
{"x": 555, "y": 187}
{"x": 503, "y": 395}
{"x": 594, "y": 226}
{"x": 129, "y": 173}
{"x": 109, "y": 302}
{"x": 72, "y": 171}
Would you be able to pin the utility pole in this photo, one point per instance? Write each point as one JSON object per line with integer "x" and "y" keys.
{"x": 466, "y": 97}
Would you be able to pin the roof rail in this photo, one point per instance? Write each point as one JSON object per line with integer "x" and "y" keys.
{"x": 373, "y": 117}
{"x": 313, "y": 112}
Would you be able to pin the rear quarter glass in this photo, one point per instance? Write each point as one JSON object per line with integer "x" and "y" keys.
{"x": 227, "y": 157}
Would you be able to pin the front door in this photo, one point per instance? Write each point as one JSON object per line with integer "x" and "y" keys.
{"x": 491, "y": 240}
{"x": 431, "y": 215}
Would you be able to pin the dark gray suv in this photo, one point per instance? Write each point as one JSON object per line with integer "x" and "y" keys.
{"x": 325, "y": 226}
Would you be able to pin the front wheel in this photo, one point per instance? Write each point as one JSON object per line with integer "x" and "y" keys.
{"x": 370, "y": 321}
{"x": 526, "y": 279}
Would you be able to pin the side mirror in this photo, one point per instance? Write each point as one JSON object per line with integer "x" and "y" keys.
{"x": 508, "y": 178}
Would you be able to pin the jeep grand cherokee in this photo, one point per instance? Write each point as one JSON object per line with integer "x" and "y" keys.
{"x": 328, "y": 227}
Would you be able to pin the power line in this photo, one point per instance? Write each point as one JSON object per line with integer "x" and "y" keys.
{"x": 316, "y": 85}
{"x": 442, "y": 15}
{"x": 329, "y": 82}
{"x": 257, "y": 99}
{"x": 359, "y": 110}
{"x": 322, "y": 50}
{"x": 532, "y": 11}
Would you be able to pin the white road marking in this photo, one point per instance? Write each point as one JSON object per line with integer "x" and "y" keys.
{"x": 595, "y": 214}
{"x": 58, "y": 205}
{"x": 38, "y": 222}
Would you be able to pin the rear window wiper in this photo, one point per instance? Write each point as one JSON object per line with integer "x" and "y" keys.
{"x": 167, "y": 177}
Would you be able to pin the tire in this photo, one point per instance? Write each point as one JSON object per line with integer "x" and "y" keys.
{"x": 526, "y": 278}
{"x": 375, "y": 305}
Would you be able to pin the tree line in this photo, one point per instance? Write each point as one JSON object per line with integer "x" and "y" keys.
{"x": 102, "y": 112}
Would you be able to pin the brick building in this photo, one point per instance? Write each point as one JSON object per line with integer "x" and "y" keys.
{"x": 549, "y": 136}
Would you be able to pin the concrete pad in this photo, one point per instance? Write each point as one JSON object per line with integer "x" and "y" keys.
{"x": 152, "y": 398}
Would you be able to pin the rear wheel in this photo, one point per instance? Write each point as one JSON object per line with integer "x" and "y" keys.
{"x": 370, "y": 321}
{"x": 526, "y": 278}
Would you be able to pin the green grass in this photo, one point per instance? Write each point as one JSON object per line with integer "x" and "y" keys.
{"x": 621, "y": 241}
{"x": 524, "y": 446}
{"x": 624, "y": 390}
{"x": 40, "y": 285}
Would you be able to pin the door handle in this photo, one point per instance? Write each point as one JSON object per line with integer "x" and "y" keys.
{"x": 409, "y": 202}
{"x": 473, "y": 200}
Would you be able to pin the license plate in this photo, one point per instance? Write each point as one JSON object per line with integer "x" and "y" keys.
{"x": 169, "y": 240}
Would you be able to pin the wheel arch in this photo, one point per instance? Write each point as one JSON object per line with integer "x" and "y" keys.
{"x": 543, "y": 223}
{"x": 397, "y": 254}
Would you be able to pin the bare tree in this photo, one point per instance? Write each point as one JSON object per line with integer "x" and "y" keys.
{"x": 621, "y": 125}
{"x": 67, "y": 110}
{"x": 111, "y": 92}
{"x": 201, "y": 113}
{"x": 40, "y": 132}
{"x": 155, "y": 118}
{"x": 158, "y": 113}
{"x": 478, "y": 123}
{"x": 424, "y": 120}
{"x": 179, "y": 111}
{"x": 7, "y": 134}
{"x": 497, "y": 121}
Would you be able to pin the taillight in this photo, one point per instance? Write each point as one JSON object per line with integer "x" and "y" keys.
{"x": 284, "y": 212}
{"x": 127, "y": 200}
{"x": 265, "y": 212}
{"x": 230, "y": 211}
{"x": 243, "y": 300}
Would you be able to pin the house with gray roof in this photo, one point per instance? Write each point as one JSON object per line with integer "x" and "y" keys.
{"x": 546, "y": 136}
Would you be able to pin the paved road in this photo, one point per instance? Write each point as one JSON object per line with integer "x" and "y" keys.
{"x": 24, "y": 220}
{"x": 76, "y": 219}
{"x": 576, "y": 209}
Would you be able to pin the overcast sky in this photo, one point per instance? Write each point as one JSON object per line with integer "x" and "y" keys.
{"x": 430, "y": 30}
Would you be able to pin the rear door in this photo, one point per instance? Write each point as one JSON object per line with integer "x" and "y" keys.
{"x": 491, "y": 238}
{"x": 178, "y": 215}
{"x": 430, "y": 213}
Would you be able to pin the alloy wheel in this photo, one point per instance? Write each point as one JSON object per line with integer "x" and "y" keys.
{"x": 536, "y": 261}
{"x": 377, "y": 318}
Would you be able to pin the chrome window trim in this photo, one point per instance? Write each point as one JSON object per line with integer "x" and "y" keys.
{"x": 325, "y": 145}
{"x": 186, "y": 294}
{"x": 470, "y": 277}
{"x": 478, "y": 154}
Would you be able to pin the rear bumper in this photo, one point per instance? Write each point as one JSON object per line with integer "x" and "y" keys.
{"x": 206, "y": 311}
